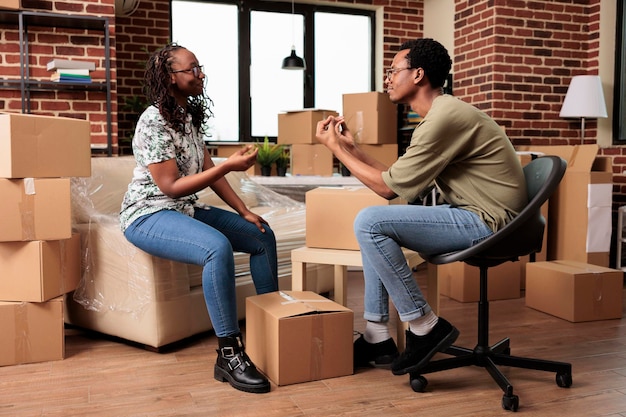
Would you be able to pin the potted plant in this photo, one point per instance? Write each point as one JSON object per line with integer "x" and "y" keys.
{"x": 282, "y": 163}
{"x": 267, "y": 155}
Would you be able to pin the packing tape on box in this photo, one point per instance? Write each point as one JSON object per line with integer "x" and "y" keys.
{"x": 64, "y": 263}
{"x": 317, "y": 347}
{"x": 22, "y": 339}
{"x": 597, "y": 294}
{"x": 292, "y": 300}
{"x": 27, "y": 209}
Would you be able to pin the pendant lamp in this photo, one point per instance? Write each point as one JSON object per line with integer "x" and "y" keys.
{"x": 293, "y": 61}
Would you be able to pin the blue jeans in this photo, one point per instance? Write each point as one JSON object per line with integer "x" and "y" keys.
{"x": 382, "y": 231}
{"x": 209, "y": 239}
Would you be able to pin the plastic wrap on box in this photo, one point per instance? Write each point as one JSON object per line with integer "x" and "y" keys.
{"x": 116, "y": 276}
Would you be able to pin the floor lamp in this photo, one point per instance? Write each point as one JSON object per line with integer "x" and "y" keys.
{"x": 584, "y": 99}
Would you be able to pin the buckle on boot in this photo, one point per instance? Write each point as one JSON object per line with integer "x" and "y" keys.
{"x": 227, "y": 351}
{"x": 236, "y": 359}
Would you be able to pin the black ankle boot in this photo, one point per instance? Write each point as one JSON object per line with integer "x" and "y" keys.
{"x": 379, "y": 354}
{"x": 234, "y": 366}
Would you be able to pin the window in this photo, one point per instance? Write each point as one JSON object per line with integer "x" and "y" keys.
{"x": 242, "y": 44}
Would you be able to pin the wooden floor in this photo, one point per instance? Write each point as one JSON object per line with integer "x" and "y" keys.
{"x": 102, "y": 377}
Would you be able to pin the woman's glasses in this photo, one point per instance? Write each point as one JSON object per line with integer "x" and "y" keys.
{"x": 195, "y": 70}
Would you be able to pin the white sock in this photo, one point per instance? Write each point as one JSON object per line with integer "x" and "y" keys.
{"x": 423, "y": 325}
{"x": 376, "y": 332}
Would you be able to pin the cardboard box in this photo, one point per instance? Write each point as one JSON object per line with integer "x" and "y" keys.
{"x": 330, "y": 214}
{"x": 44, "y": 146}
{"x": 35, "y": 209}
{"x": 31, "y": 332}
{"x": 387, "y": 154}
{"x": 40, "y": 270}
{"x": 574, "y": 291}
{"x": 461, "y": 281}
{"x": 299, "y": 126}
{"x": 580, "y": 215}
{"x": 10, "y": 4}
{"x": 299, "y": 336}
{"x": 371, "y": 117}
{"x": 309, "y": 159}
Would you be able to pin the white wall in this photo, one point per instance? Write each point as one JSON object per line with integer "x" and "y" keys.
{"x": 439, "y": 22}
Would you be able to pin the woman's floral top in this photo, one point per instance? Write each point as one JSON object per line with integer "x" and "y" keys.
{"x": 154, "y": 142}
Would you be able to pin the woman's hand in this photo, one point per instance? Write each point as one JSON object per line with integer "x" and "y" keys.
{"x": 243, "y": 159}
{"x": 254, "y": 218}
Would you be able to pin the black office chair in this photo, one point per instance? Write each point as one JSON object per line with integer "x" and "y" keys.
{"x": 522, "y": 236}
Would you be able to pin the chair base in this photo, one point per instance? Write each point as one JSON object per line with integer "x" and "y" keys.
{"x": 489, "y": 357}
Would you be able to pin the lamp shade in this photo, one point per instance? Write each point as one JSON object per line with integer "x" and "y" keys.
{"x": 584, "y": 98}
{"x": 293, "y": 61}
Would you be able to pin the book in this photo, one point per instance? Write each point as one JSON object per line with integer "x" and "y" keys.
{"x": 69, "y": 71}
{"x": 68, "y": 78}
{"x": 56, "y": 64}
{"x": 69, "y": 75}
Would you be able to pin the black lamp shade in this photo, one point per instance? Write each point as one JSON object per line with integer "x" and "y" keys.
{"x": 293, "y": 62}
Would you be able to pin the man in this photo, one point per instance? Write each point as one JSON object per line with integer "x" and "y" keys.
{"x": 472, "y": 162}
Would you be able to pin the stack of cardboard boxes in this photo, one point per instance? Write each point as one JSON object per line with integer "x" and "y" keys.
{"x": 39, "y": 255}
{"x": 575, "y": 282}
{"x": 371, "y": 117}
{"x": 296, "y": 129}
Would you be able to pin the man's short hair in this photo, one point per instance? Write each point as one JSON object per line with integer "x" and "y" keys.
{"x": 431, "y": 56}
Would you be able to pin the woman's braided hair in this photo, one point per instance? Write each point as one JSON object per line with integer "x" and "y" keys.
{"x": 157, "y": 87}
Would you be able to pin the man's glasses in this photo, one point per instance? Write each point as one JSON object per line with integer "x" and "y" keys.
{"x": 195, "y": 70}
{"x": 391, "y": 72}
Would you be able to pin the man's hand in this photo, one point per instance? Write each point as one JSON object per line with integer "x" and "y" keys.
{"x": 334, "y": 132}
{"x": 345, "y": 135}
{"x": 327, "y": 132}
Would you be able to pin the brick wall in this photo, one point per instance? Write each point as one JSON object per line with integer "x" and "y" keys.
{"x": 514, "y": 60}
{"x": 138, "y": 35}
{"x": 48, "y": 43}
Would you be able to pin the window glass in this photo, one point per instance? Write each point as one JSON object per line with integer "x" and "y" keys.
{"x": 342, "y": 58}
{"x": 342, "y": 61}
{"x": 216, "y": 48}
{"x": 273, "y": 89}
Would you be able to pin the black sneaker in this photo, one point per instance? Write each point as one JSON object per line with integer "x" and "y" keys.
{"x": 379, "y": 354}
{"x": 420, "y": 349}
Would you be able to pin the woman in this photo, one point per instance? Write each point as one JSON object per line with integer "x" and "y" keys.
{"x": 161, "y": 216}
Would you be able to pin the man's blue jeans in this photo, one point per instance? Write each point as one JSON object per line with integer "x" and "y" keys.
{"x": 382, "y": 231}
{"x": 209, "y": 239}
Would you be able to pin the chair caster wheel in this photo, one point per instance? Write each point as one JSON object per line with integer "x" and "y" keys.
{"x": 564, "y": 380}
{"x": 510, "y": 402}
{"x": 418, "y": 383}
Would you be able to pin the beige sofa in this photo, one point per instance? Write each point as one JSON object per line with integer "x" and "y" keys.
{"x": 127, "y": 293}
